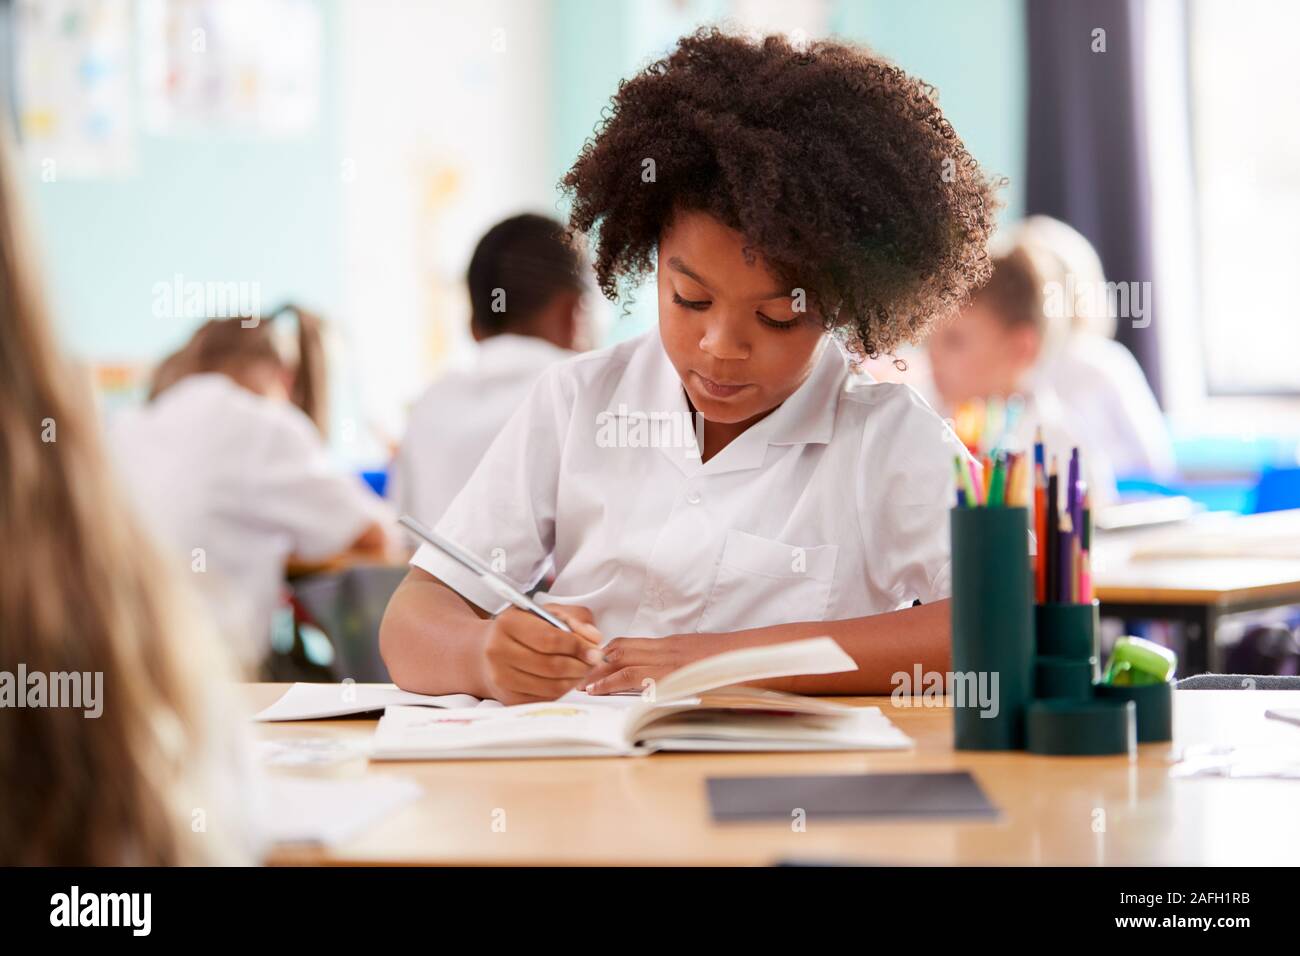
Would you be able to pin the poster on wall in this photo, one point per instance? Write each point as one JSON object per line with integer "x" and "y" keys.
{"x": 72, "y": 87}
{"x": 230, "y": 66}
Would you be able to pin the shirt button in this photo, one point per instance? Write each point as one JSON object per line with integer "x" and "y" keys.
{"x": 694, "y": 498}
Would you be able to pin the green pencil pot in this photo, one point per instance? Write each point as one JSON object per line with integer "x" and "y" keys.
{"x": 1063, "y": 677}
{"x": 1081, "y": 728}
{"x": 992, "y": 627}
{"x": 1155, "y": 708}
{"x": 1068, "y": 630}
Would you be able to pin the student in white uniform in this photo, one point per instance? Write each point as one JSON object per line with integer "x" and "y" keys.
{"x": 1097, "y": 378}
{"x": 525, "y": 292}
{"x": 233, "y": 475}
{"x": 1001, "y": 346}
{"x": 814, "y": 502}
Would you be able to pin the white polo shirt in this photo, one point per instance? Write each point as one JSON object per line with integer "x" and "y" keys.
{"x": 834, "y": 506}
{"x": 454, "y": 421}
{"x": 233, "y": 484}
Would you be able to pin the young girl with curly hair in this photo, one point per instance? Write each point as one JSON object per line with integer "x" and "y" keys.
{"x": 797, "y": 208}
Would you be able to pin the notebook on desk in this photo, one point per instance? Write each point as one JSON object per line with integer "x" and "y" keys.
{"x": 699, "y": 707}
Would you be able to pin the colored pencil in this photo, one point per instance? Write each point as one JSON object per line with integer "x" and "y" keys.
{"x": 1013, "y": 481}
{"x": 1085, "y": 542}
{"x": 1072, "y": 489}
{"x": 997, "y": 483}
{"x": 1053, "y": 533}
{"x": 1040, "y": 529}
{"x": 1065, "y": 567}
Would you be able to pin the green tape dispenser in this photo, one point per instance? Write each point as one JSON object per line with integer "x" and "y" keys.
{"x": 1135, "y": 662}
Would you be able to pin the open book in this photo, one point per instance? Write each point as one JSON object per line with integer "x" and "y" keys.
{"x": 698, "y": 707}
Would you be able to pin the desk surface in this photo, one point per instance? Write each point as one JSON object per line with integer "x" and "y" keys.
{"x": 1199, "y": 581}
{"x": 654, "y": 810}
{"x": 1213, "y": 559}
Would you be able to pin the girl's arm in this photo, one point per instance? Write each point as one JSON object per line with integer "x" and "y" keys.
{"x": 882, "y": 645}
{"x": 436, "y": 642}
{"x": 432, "y": 639}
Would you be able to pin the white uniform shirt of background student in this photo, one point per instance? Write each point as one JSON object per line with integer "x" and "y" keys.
{"x": 454, "y": 421}
{"x": 834, "y": 506}
{"x": 233, "y": 484}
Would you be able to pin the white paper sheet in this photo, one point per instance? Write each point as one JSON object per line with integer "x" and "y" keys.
{"x": 319, "y": 701}
{"x": 326, "y": 812}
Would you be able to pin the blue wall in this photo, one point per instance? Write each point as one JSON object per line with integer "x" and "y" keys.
{"x": 269, "y": 211}
{"x": 975, "y": 54}
{"x": 210, "y": 208}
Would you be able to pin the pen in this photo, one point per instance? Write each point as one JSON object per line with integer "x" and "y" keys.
{"x": 498, "y": 585}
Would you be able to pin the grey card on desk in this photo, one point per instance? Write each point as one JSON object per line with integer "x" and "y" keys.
{"x": 849, "y": 796}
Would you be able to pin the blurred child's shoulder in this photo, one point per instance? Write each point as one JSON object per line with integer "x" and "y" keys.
{"x": 875, "y": 398}
{"x": 214, "y": 397}
{"x": 603, "y": 367}
{"x": 897, "y": 415}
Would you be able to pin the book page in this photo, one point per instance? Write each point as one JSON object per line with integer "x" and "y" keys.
{"x": 318, "y": 701}
{"x": 863, "y": 728}
{"x": 816, "y": 655}
{"x": 559, "y": 724}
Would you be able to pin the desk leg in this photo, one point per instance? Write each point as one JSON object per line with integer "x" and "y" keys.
{"x": 1202, "y": 644}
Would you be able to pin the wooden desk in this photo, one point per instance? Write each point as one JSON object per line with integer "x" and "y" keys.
{"x": 654, "y": 810}
{"x": 1197, "y": 591}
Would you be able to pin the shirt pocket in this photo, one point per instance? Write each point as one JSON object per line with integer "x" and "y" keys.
{"x": 762, "y": 582}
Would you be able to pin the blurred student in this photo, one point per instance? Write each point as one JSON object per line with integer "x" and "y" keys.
{"x": 228, "y": 463}
{"x": 1097, "y": 378}
{"x": 525, "y": 292}
{"x": 1003, "y": 344}
{"x": 119, "y": 740}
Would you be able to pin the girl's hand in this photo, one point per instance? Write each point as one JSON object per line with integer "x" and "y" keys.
{"x": 630, "y": 661}
{"x": 526, "y": 660}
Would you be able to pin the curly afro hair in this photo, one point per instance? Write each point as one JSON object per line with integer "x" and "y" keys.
{"x": 835, "y": 164}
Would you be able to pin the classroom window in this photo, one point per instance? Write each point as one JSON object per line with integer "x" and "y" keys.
{"x": 1246, "y": 146}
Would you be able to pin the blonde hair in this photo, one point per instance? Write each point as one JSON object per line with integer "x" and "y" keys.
{"x": 233, "y": 346}
{"x": 83, "y": 590}
{"x": 1070, "y": 260}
